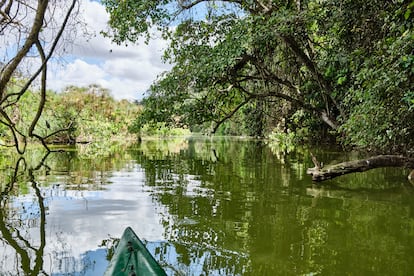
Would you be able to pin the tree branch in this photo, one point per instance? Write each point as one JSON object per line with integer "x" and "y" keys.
{"x": 229, "y": 115}
{"x": 191, "y": 4}
{"x": 326, "y": 87}
{"x": 69, "y": 127}
{"x": 323, "y": 115}
{"x": 14, "y": 132}
{"x": 8, "y": 71}
{"x": 44, "y": 59}
{"x": 42, "y": 90}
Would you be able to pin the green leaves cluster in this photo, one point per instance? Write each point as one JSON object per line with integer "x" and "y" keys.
{"x": 96, "y": 115}
{"x": 134, "y": 18}
{"x": 380, "y": 98}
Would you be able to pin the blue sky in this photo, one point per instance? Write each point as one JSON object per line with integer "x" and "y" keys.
{"x": 126, "y": 71}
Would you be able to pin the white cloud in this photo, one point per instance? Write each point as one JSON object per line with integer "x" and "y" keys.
{"x": 78, "y": 72}
{"x": 124, "y": 88}
{"x": 126, "y": 71}
{"x": 131, "y": 69}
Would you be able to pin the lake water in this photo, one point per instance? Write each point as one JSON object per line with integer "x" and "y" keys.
{"x": 203, "y": 207}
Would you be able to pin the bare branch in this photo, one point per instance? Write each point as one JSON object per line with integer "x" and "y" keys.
{"x": 266, "y": 9}
{"x": 42, "y": 89}
{"x": 8, "y": 71}
{"x": 14, "y": 132}
{"x": 46, "y": 59}
{"x": 190, "y": 5}
{"x": 69, "y": 127}
{"x": 7, "y": 100}
{"x": 227, "y": 90}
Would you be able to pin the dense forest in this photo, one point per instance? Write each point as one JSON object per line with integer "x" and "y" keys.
{"x": 337, "y": 71}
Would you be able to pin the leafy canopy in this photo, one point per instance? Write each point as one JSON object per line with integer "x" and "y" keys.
{"x": 339, "y": 65}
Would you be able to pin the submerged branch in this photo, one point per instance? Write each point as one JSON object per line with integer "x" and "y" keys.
{"x": 329, "y": 172}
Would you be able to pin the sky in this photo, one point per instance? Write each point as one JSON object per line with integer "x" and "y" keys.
{"x": 126, "y": 71}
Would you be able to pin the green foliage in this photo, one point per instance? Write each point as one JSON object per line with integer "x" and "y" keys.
{"x": 248, "y": 122}
{"x": 409, "y": 99}
{"x": 135, "y": 17}
{"x": 96, "y": 115}
{"x": 79, "y": 114}
{"x": 283, "y": 141}
{"x": 380, "y": 99}
{"x": 160, "y": 129}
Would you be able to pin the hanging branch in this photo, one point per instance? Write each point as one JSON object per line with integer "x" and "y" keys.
{"x": 229, "y": 115}
{"x": 325, "y": 85}
{"x": 42, "y": 90}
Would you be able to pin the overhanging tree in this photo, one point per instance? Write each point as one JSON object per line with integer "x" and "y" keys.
{"x": 314, "y": 56}
{"x": 235, "y": 53}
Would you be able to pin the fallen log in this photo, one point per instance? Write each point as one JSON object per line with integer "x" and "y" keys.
{"x": 320, "y": 173}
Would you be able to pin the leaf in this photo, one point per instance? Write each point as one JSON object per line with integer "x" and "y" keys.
{"x": 341, "y": 80}
{"x": 407, "y": 14}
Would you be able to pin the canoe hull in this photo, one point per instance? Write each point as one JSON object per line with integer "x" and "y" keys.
{"x": 131, "y": 257}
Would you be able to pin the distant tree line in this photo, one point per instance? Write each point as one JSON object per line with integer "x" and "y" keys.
{"x": 87, "y": 114}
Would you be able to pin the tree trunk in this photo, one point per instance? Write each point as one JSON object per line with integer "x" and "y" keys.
{"x": 324, "y": 173}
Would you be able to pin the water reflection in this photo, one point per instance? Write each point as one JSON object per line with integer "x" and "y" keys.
{"x": 236, "y": 196}
{"x": 56, "y": 213}
{"x": 32, "y": 213}
{"x": 205, "y": 207}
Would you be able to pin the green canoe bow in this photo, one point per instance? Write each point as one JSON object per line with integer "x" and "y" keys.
{"x": 132, "y": 258}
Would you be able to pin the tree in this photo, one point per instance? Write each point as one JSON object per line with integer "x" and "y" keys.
{"x": 229, "y": 58}
{"x": 315, "y": 57}
{"x": 94, "y": 114}
{"x": 31, "y": 33}
{"x": 380, "y": 114}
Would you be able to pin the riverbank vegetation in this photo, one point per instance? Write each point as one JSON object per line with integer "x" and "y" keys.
{"x": 87, "y": 114}
{"x": 336, "y": 71}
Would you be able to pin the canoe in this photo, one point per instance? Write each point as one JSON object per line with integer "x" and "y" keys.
{"x": 132, "y": 258}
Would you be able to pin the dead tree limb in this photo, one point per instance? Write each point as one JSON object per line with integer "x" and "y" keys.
{"x": 324, "y": 173}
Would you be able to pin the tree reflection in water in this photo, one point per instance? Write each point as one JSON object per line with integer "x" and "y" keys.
{"x": 17, "y": 237}
{"x": 23, "y": 211}
{"x": 208, "y": 208}
{"x": 234, "y": 209}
